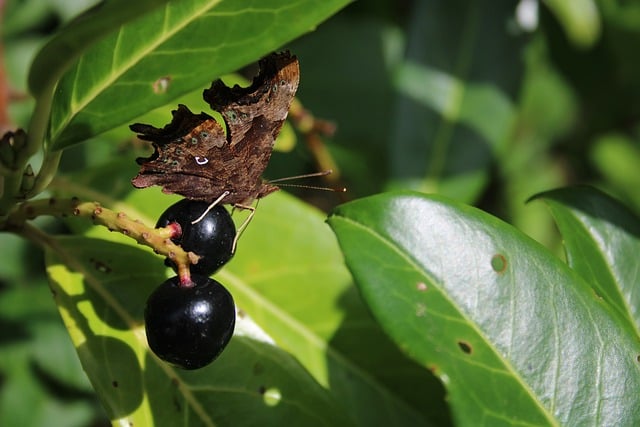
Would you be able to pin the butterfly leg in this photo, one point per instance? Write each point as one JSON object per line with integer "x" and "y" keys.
{"x": 211, "y": 206}
{"x": 246, "y": 222}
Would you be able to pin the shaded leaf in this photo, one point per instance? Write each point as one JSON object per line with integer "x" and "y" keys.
{"x": 616, "y": 158}
{"x": 288, "y": 275}
{"x": 36, "y": 357}
{"x": 511, "y": 330}
{"x": 599, "y": 233}
{"x": 455, "y": 108}
{"x": 579, "y": 18}
{"x": 101, "y": 290}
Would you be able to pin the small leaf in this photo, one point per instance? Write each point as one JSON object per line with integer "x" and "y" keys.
{"x": 599, "y": 235}
{"x": 148, "y": 61}
{"x": 515, "y": 335}
{"x": 580, "y": 19}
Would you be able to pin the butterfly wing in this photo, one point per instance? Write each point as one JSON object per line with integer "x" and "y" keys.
{"x": 195, "y": 158}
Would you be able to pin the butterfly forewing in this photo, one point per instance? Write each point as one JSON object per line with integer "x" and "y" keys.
{"x": 196, "y": 158}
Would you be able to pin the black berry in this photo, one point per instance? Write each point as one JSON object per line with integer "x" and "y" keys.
{"x": 189, "y": 326}
{"x": 211, "y": 238}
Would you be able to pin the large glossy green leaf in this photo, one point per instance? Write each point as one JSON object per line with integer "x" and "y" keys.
{"x": 600, "y": 237}
{"x": 516, "y": 336}
{"x": 457, "y": 90}
{"x": 168, "y": 51}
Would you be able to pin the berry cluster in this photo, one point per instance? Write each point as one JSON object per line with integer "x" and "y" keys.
{"x": 189, "y": 324}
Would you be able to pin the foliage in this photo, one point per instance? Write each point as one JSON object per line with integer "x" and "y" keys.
{"x": 410, "y": 307}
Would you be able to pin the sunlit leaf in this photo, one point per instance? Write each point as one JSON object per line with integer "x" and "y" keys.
{"x": 101, "y": 291}
{"x": 168, "y": 51}
{"x": 599, "y": 233}
{"x": 288, "y": 276}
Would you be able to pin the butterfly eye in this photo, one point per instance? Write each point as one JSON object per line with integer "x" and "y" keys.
{"x": 274, "y": 88}
{"x": 232, "y": 115}
{"x": 283, "y": 82}
{"x": 204, "y": 134}
{"x": 194, "y": 140}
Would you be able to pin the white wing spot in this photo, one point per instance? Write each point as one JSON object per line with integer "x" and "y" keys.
{"x": 201, "y": 160}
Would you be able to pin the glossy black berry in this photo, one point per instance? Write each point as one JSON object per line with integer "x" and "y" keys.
{"x": 211, "y": 237}
{"x": 189, "y": 327}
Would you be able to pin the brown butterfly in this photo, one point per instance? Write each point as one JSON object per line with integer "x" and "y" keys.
{"x": 196, "y": 158}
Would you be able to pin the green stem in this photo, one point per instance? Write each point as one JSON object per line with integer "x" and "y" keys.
{"x": 46, "y": 173}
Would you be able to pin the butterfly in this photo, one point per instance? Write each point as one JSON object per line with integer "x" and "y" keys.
{"x": 196, "y": 158}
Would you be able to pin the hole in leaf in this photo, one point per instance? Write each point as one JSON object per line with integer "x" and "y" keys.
{"x": 270, "y": 396}
{"x": 499, "y": 263}
{"x": 465, "y": 347}
{"x": 421, "y": 287}
{"x": 100, "y": 266}
{"x": 161, "y": 85}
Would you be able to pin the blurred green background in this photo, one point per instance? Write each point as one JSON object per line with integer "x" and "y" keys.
{"x": 488, "y": 102}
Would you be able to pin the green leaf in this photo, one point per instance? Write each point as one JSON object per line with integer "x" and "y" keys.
{"x": 288, "y": 275}
{"x": 63, "y": 49}
{"x": 455, "y": 109}
{"x": 599, "y": 234}
{"x": 616, "y": 158}
{"x": 101, "y": 288}
{"x": 41, "y": 376}
{"x": 580, "y": 19}
{"x": 516, "y": 336}
{"x": 148, "y": 61}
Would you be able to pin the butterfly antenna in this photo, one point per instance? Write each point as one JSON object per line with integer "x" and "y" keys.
{"x": 306, "y": 175}
{"x": 311, "y": 187}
